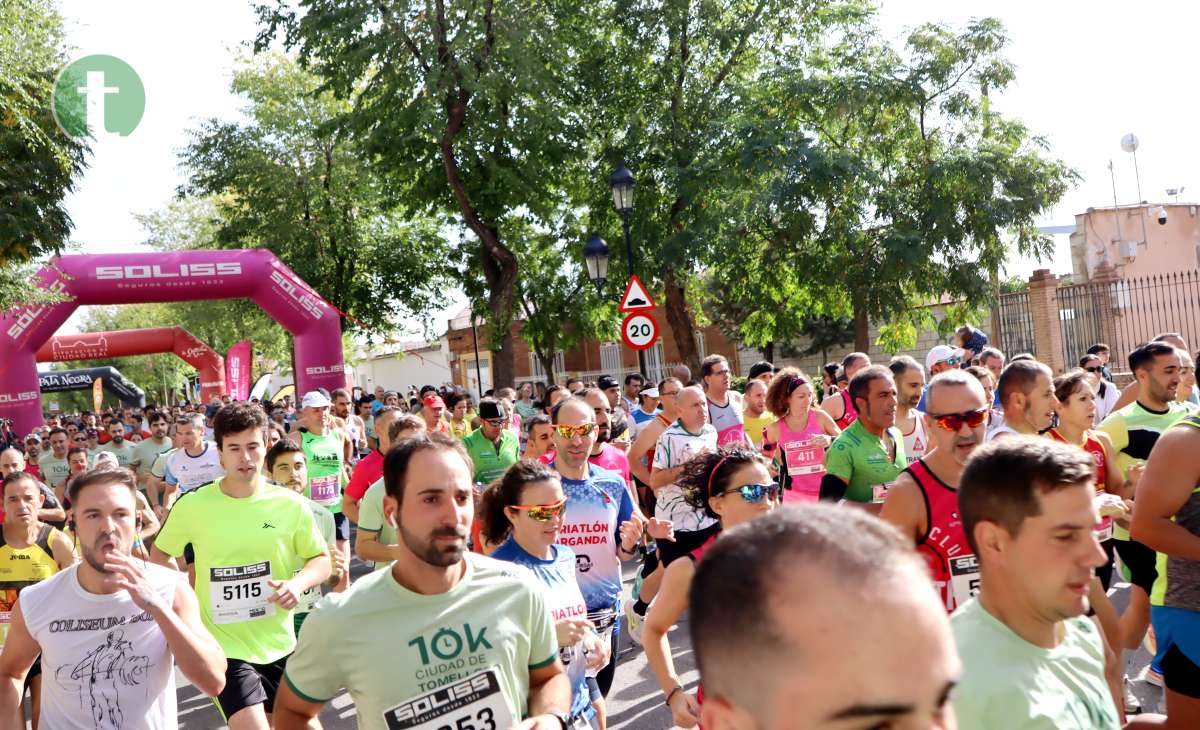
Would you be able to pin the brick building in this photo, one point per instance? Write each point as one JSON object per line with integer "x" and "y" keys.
{"x": 587, "y": 360}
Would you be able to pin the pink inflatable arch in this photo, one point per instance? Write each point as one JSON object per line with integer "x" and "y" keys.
{"x": 167, "y": 277}
{"x": 147, "y": 341}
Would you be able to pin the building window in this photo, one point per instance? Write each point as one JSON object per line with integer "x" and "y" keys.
{"x": 610, "y": 356}
{"x": 538, "y": 372}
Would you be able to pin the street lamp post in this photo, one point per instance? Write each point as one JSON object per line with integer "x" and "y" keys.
{"x": 621, "y": 182}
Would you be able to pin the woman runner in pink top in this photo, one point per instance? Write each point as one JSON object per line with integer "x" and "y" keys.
{"x": 798, "y": 440}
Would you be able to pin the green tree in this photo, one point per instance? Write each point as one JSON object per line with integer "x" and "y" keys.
{"x": 40, "y": 163}
{"x": 907, "y": 185}
{"x": 472, "y": 111}
{"x": 680, "y": 73}
{"x": 292, "y": 181}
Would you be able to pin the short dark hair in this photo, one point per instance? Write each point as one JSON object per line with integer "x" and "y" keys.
{"x": 15, "y": 477}
{"x": 860, "y": 384}
{"x": 570, "y": 399}
{"x": 708, "y": 474}
{"x": 710, "y": 362}
{"x": 100, "y": 476}
{"x": 988, "y": 353}
{"x": 156, "y": 417}
{"x": 236, "y": 418}
{"x": 395, "y": 463}
{"x": 76, "y": 450}
{"x": 506, "y": 492}
{"x": 338, "y": 392}
{"x": 1021, "y": 376}
{"x": 1004, "y": 478}
{"x": 634, "y": 376}
{"x": 1143, "y": 357}
{"x": 405, "y": 422}
{"x": 1083, "y": 361}
{"x": 55, "y": 430}
{"x": 854, "y": 357}
{"x": 283, "y": 446}
{"x": 1098, "y": 348}
{"x": 1167, "y": 336}
{"x": 901, "y": 364}
{"x": 740, "y": 643}
{"x": 539, "y": 419}
{"x": 386, "y": 409}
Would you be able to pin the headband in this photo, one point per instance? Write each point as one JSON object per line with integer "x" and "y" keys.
{"x": 796, "y": 382}
{"x": 713, "y": 473}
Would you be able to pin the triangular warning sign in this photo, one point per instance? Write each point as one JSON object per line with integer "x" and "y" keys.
{"x": 636, "y": 297}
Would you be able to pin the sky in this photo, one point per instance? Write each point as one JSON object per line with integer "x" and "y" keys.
{"x": 1087, "y": 73}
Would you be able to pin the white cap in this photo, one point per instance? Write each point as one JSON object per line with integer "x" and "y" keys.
{"x": 315, "y": 399}
{"x": 937, "y": 354}
{"x": 649, "y": 392}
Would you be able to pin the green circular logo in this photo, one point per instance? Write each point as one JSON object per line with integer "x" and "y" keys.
{"x": 98, "y": 96}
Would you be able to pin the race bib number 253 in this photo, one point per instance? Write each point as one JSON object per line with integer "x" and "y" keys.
{"x": 474, "y": 703}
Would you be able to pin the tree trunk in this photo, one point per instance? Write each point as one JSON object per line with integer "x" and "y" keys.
{"x": 768, "y": 351}
{"x": 862, "y": 334}
{"x": 682, "y": 324}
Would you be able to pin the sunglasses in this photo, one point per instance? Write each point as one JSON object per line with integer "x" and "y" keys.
{"x": 953, "y": 360}
{"x": 955, "y": 421}
{"x": 570, "y": 432}
{"x": 754, "y": 493}
{"x": 543, "y": 512}
{"x": 497, "y": 422}
{"x": 1096, "y": 369}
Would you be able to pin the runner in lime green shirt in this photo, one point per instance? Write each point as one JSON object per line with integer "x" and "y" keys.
{"x": 866, "y": 458}
{"x": 492, "y": 447}
{"x": 248, "y": 537}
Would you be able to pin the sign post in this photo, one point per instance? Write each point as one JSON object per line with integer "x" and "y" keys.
{"x": 640, "y": 329}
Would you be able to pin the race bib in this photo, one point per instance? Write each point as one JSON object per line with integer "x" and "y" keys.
{"x": 879, "y": 492}
{"x": 964, "y": 578}
{"x": 474, "y": 703}
{"x": 307, "y": 599}
{"x": 324, "y": 490}
{"x": 240, "y": 592}
{"x": 1105, "y": 530}
{"x": 804, "y": 457}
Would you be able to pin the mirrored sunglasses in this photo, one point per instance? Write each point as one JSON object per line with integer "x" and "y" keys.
{"x": 755, "y": 493}
{"x": 543, "y": 512}
{"x": 570, "y": 432}
{"x": 955, "y": 421}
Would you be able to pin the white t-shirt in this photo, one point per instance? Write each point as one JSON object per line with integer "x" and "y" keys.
{"x": 105, "y": 662}
{"x": 916, "y": 442}
{"x": 674, "y": 447}
{"x": 190, "y": 472}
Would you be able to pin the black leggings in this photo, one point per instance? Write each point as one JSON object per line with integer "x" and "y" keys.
{"x": 604, "y": 678}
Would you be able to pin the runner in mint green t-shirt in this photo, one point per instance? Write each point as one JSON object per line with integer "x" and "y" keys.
{"x": 445, "y": 638}
{"x": 326, "y": 451}
{"x": 248, "y": 536}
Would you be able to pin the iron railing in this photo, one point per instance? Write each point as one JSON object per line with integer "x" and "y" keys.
{"x": 1016, "y": 324}
{"x": 1151, "y": 305}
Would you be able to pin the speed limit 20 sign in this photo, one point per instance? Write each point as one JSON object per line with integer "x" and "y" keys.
{"x": 639, "y": 330}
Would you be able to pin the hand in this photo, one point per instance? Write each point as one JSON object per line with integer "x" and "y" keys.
{"x": 660, "y": 529}
{"x": 1135, "y": 475}
{"x": 685, "y": 711}
{"x": 286, "y": 594}
{"x": 571, "y": 631}
{"x": 538, "y": 722}
{"x": 339, "y": 563}
{"x": 597, "y": 651}
{"x": 125, "y": 573}
{"x": 631, "y": 532}
{"x": 1110, "y": 505}
{"x": 160, "y": 512}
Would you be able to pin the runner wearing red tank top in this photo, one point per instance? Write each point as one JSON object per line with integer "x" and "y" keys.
{"x": 841, "y": 407}
{"x": 798, "y": 440}
{"x": 923, "y": 501}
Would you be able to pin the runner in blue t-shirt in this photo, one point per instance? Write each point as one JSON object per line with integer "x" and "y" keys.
{"x": 527, "y": 506}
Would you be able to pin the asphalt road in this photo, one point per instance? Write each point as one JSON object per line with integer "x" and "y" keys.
{"x": 635, "y": 702}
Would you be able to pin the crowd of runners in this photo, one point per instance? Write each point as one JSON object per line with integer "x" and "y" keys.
{"x": 899, "y": 545}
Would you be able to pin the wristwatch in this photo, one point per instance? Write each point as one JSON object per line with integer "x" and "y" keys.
{"x": 563, "y": 718}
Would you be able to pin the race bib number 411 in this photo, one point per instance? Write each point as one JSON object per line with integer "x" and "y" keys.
{"x": 474, "y": 703}
{"x": 240, "y": 592}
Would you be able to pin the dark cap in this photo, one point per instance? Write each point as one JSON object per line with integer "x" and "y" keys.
{"x": 759, "y": 368}
{"x": 607, "y": 381}
{"x": 490, "y": 410}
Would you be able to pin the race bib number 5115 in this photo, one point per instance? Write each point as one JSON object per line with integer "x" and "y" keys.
{"x": 474, "y": 703}
{"x": 240, "y": 592}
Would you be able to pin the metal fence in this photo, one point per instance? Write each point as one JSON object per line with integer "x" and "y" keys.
{"x": 1124, "y": 314}
{"x": 1016, "y": 324}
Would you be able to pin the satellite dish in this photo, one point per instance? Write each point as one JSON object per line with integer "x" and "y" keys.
{"x": 1129, "y": 142}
